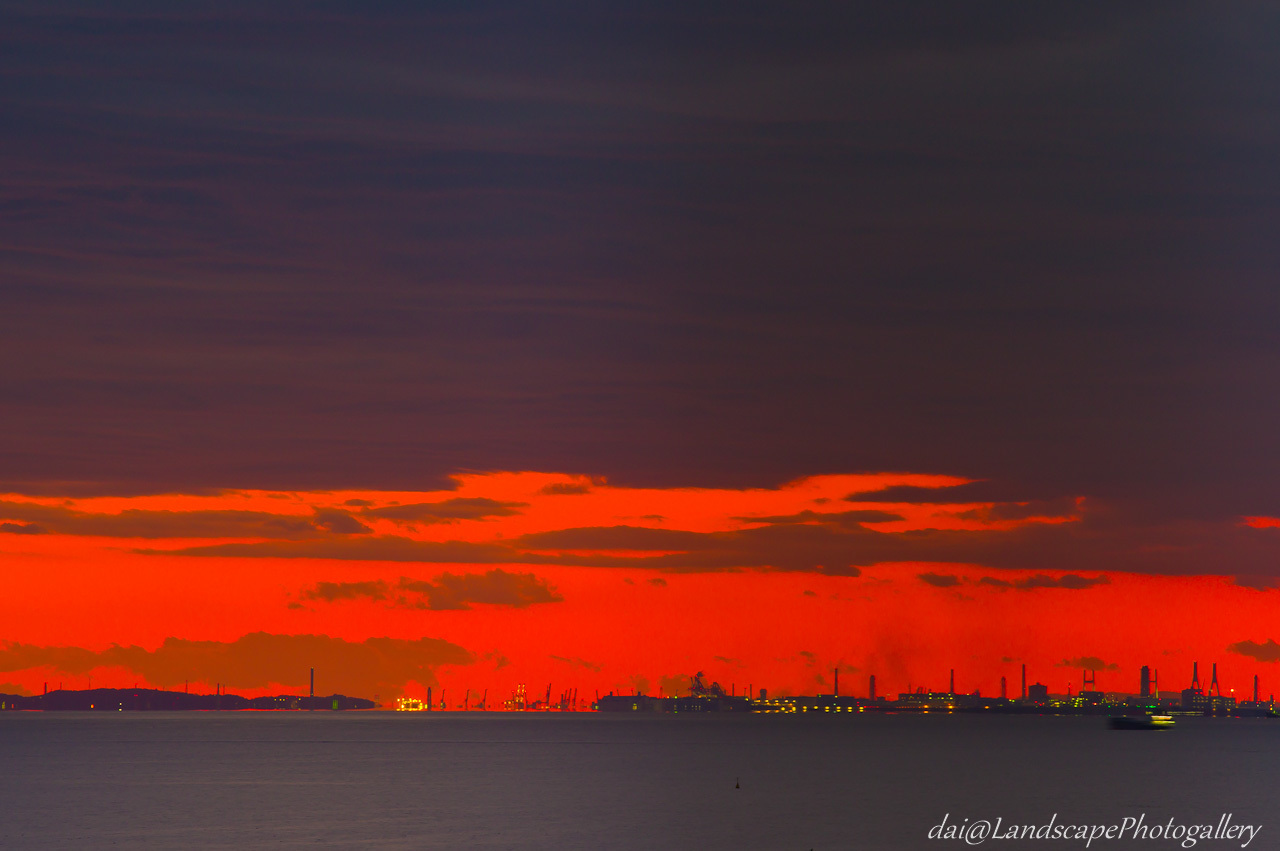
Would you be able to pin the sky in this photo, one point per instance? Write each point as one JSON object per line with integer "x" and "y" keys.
{"x": 463, "y": 345}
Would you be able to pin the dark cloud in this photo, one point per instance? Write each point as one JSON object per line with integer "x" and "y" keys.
{"x": 565, "y": 489}
{"x": 1031, "y": 583}
{"x": 364, "y": 548}
{"x": 358, "y": 246}
{"x": 577, "y": 662}
{"x": 843, "y": 518}
{"x": 140, "y": 523}
{"x": 1060, "y": 508}
{"x": 120, "y": 488}
{"x": 616, "y": 538}
{"x": 914, "y": 495}
{"x": 1103, "y": 538}
{"x": 339, "y": 522}
{"x": 496, "y": 587}
{"x": 498, "y": 659}
{"x": 658, "y": 581}
{"x": 447, "y": 591}
{"x": 1258, "y": 583}
{"x": 257, "y": 660}
{"x": 1267, "y": 651}
{"x": 332, "y": 592}
{"x": 834, "y": 549}
{"x": 675, "y": 684}
{"x": 939, "y": 580}
{"x": 1087, "y": 663}
{"x": 22, "y": 529}
{"x": 448, "y": 511}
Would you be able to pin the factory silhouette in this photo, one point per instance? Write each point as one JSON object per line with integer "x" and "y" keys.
{"x": 1033, "y": 698}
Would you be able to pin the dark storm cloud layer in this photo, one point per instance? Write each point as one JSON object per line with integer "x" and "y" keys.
{"x": 372, "y": 666}
{"x": 368, "y": 244}
{"x": 1099, "y": 541}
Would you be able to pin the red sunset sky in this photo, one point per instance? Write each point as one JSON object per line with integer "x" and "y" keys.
{"x": 472, "y": 346}
{"x": 555, "y": 579}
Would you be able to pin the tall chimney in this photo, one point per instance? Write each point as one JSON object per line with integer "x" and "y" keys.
{"x": 1024, "y": 680}
{"x": 428, "y": 698}
{"x": 1004, "y": 688}
{"x": 953, "y": 681}
{"x": 835, "y": 688}
{"x": 1255, "y": 688}
{"x": 313, "y": 682}
{"x": 873, "y": 687}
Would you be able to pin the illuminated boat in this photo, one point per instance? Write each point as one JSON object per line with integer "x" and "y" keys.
{"x": 1141, "y": 722}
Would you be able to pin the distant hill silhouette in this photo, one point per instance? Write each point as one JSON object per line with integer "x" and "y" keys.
{"x": 146, "y": 699}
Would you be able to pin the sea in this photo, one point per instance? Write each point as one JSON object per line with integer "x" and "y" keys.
{"x": 477, "y": 780}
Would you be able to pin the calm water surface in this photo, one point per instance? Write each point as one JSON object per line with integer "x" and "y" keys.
{"x": 570, "y": 781}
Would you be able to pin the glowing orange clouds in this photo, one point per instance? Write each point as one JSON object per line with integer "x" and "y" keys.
{"x": 533, "y": 577}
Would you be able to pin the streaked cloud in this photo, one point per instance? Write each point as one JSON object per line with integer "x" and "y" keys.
{"x": 497, "y": 587}
{"x": 939, "y": 580}
{"x": 22, "y": 529}
{"x": 1069, "y": 581}
{"x": 1267, "y": 651}
{"x": 142, "y": 523}
{"x": 1088, "y": 663}
{"x": 448, "y": 511}
{"x": 577, "y": 663}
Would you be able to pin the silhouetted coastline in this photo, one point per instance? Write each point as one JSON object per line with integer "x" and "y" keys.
{"x": 144, "y": 699}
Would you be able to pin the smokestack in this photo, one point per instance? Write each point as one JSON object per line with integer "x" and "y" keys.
{"x": 313, "y": 682}
{"x": 872, "y": 690}
{"x": 835, "y": 688}
{"x": 953, "y": 681}
{"x": 1195, "y": 675}
{"x": 1004, "y": 689}
{"x": 1024, "y": 680}
{"x": 429, "y": 706}
{"x": 1255, "y": 688}
{"x": 1144, "y": 682}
